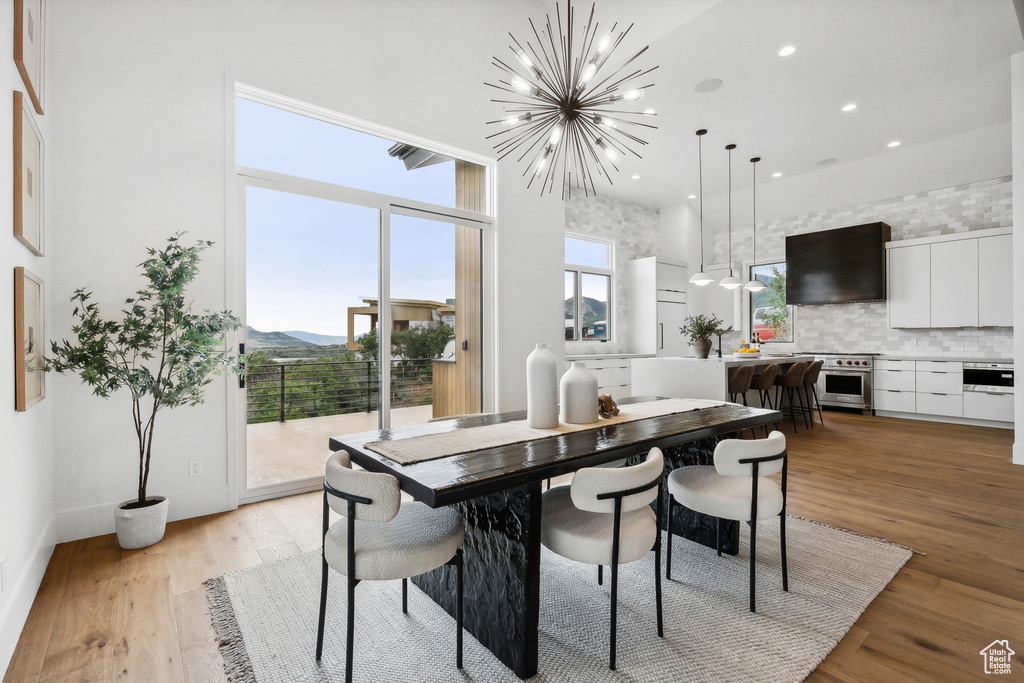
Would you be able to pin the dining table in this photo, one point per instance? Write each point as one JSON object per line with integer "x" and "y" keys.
{"x": 498, "y": 492}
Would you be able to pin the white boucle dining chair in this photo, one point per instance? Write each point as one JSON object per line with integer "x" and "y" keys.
{"x": 380, "y": 538}
{"x": 604, "y": 517}
{"x": 737, "y": 487}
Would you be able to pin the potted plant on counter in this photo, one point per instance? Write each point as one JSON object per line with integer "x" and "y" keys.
{"x": 700, "y": 329}
{"x": 158, "y": 350}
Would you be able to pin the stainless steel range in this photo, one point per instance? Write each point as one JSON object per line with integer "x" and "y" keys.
{"x": 845, "y": 380}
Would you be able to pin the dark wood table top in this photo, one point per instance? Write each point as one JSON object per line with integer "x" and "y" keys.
{"x": 455, "y": 478}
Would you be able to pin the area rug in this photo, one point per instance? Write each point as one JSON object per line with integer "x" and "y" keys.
{"x": 266, "y": 617}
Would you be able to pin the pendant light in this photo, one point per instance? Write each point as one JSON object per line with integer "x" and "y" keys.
{"x": 700, "y": 278}
{"x": 754, "y": 285}
{"x": 731, "y": 282}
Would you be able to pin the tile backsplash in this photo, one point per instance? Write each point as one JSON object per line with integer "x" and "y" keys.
{"x": 634, "y": 229}
{"x": 863, "y": 327}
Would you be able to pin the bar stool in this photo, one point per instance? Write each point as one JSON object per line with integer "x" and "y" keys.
{"x": 739, "y": 382}
{"x": 811, "y": 389}
{"x": 792, "y": 378}
{"x": 763, "y": 384}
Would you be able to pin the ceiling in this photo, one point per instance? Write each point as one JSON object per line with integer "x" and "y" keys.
{"x": 918, "y": 71}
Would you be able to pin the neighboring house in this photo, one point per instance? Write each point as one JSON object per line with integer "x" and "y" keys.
{"x": 406, "y": 313}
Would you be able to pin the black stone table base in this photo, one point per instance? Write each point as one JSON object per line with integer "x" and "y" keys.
{"x": 501, "y": 580}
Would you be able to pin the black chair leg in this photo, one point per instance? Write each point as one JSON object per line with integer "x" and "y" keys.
{"x": 615, "y": 610}
{"x": 792, "y": 407}
{"x": 657, "y": 584}
{"x": 458, "y": 608}
{"x": 405, "y": 596}
{"x": 600, "y": 575}
{"x": 809, "y": 410}
{"x": 350, "y": 636}
{"x": 323, "y": 611}
{"x": 668, "y": 558}
{"x": 814, "y": 392}
{"x": 803, "y": 408}
{"x": 718, "y": 536}
{"x": 753, "y": 571}
{"x": 782, "y": 541}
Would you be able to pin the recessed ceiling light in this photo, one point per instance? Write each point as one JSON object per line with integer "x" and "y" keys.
{"x": 635, "y": 177}
{"x": 776, "y": 174}
{"x": 787, "y": 51}
{"x": 850, "y": 107}
{"x": 827, "y": 162}
{"x": 894, "y": 143}
{"x": 710, "y": 85}
{"x": 692, "y": 196}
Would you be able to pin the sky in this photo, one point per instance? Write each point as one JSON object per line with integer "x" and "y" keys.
{"x": 308, "y": 260}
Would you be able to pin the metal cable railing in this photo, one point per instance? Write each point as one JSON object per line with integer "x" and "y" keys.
{"x": 281, "y": 391}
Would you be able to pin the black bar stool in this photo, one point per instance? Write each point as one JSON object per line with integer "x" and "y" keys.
{"x": 811, "y": 390}
{"x": 763, "y": 384}
{"x": 792, "y": 378}
{"x": 739, "y": 382}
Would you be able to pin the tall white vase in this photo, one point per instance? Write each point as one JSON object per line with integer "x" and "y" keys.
{"x": 541, "y": 388}
{"x": 577, "y": 394}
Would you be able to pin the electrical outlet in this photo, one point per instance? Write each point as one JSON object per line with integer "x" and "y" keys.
{"x": 195, "y": 468}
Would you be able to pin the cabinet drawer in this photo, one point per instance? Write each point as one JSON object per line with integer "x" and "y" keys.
{"x": 895, "y": 401}
{"x": 900, "y": 380}
{"x": 620, "y": 375}
{"x": 884, "y": 364}
{"x": 939, "y": 366}
{"x": 982, "y": 406}
{"x": 951, "y": 405}
{"x": 672, "y": 296}
{"x": 940, "y": 382}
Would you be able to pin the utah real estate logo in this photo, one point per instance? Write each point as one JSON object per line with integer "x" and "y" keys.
{"x": 997, "y": 657}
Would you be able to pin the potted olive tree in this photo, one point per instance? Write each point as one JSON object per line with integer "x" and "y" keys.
{"x": 700, "y": 328}
{"x": 158, "y": 350}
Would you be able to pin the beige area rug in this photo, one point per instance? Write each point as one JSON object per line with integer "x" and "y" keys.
{"x": 266, "y": 617}
{"x": 433, "y": 446}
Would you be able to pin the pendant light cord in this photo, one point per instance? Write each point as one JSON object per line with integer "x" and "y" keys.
{"x": 700, "y": 185}
{"x": 753, "y": 206}
{"x": 730, "y": 148}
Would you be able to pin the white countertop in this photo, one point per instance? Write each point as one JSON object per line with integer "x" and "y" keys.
{"x": 950, "y": 359}
{"x": 595, "y": 356}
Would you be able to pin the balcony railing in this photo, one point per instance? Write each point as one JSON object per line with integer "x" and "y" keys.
{"x": 301, "y": 389}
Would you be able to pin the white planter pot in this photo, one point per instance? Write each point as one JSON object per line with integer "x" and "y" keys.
{"x": 541, "y": 388}
{"x": 577, "y": 395}
{"x": 140, "y": 527}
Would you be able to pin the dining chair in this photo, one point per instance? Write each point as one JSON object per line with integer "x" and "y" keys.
{"x": 737, "y": 487}
{"x": 380, "y": 538}
{"x": 605, "y": 517}
{"x": 811, "y": 390}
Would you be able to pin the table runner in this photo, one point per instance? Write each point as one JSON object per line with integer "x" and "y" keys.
{"x": 432, "y": 446}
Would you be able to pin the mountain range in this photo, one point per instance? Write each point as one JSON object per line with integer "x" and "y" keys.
{"x": 257, "y": 339}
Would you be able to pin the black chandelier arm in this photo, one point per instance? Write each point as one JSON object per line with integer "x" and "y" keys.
{"x": 609, "y": 134}
{"x": 636, "y": 74}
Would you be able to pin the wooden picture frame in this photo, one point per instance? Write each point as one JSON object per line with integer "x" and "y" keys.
{"x": 28, "y": 177}
{"x": 29, "y": 340}
{"x": 29, "y": 53}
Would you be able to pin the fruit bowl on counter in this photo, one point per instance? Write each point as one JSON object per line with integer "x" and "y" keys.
{"x": 746, "y": 353}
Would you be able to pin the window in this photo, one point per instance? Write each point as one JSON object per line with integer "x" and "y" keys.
{"x": 588, "y": 289}
{"x": 770, "y": 317}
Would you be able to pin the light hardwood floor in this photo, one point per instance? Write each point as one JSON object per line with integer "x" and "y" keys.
{"x": 947, "y": 491}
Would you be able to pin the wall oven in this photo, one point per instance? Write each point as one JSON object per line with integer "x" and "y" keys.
{"x": 845, "y": 380}
{"x": 988, "y": 391}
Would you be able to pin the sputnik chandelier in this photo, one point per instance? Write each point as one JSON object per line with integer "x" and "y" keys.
{"x": 568, "y": 115}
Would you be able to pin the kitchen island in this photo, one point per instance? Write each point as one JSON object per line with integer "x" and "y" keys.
{"x": 683, "y": 377}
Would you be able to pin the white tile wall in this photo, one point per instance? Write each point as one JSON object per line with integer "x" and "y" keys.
{"x": 634, "y": 228}
{"x": 863, "y": 327}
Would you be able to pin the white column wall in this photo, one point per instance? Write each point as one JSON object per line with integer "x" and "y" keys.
{"x": 1017, "y": 123}
{"x": 26, "y": 486}
{"x": 137, "y": 93}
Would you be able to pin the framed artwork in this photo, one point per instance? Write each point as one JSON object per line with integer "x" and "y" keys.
{"x": 28, "y": 47}
{"x": 28, "y": 177}
{"x": 30, "y": 340}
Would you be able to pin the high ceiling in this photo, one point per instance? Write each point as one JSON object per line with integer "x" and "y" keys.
{"x": 918, "y": 71}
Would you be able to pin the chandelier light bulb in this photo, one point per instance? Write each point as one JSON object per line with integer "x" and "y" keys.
{"x": 633, "y": 95}
{"x": 605, "y": 121}
{"x": 523, "y": 86}
{"x": 589, "y": 72}
{"x": 556, "y": 134}
{"x": 609, "y": 151}
{"x": 516, "y": 119}
{"x": 543, "y": 161}
{"x": 603, "y": 44}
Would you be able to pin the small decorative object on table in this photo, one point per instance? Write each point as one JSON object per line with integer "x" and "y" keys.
{"x": 607, "y": 407}
{"x": 541, "y": 388}
{"x": 577, "y": 395}
{"x": 700, "y": 328}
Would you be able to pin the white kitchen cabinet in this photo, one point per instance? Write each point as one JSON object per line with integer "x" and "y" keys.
{"x": 995, "y": 278}
{"x": 956, "y": 280}
{"x": 910, "y": 286}
{"x": 656, "y": 296}
{"x": 895, "y": 401}
{"x": 895, "y": 380}
{"x": 988, "y": 406}
{"x": 613, "y": 375}
{"x": 940, "y": 377}
{"x": 954, "y": 283}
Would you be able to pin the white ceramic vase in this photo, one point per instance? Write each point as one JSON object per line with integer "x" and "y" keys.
{"x": 577, "y": 395}
{"x": 140, "y": 527}
{"x": 541, "y": 388}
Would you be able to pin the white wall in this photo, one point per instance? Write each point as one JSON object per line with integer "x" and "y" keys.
{"x": 26, "y": 487}
{"x": 1017, "y": 109}
{"x": 138, "y": 113}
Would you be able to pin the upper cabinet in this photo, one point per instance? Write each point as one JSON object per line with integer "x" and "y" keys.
{"x": 656, "y": 297}
{"x": 961, "y": 280}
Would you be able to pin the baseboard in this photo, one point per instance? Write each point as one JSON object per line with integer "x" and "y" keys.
{"x": 971, "y": 422}
{"x": 23, "y": 594}
{"x": 1018, "y": 453}
{"x": 98, "y": 520}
